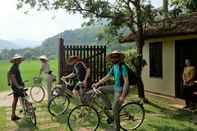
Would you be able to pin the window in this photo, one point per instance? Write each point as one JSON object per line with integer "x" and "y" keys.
{"x": 155, "y": 50}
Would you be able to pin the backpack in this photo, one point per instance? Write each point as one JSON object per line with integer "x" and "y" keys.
{"x": 131, "y": 75}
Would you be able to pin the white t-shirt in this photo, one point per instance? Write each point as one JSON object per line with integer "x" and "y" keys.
{"x": 45, "y": 68}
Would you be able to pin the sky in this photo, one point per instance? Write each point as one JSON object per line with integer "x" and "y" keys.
{"x": 37, "y": 26}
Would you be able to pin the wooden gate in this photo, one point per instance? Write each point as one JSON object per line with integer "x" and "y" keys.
{"x": 93, "y": 55}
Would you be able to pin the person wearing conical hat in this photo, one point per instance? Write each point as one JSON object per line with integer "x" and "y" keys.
{"x": 120, "y": 88}
{"x": 45, "y": 74}
{"x": 16, "y": 82}
{"x": 44, "y": 64}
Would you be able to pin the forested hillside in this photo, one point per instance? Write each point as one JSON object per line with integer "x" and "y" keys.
{"x": 49, "y": 47}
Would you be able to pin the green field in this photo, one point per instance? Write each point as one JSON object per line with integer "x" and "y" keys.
{"x": 29, "y": 69}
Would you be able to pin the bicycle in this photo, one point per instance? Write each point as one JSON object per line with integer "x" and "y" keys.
{"x": 87, "y": 115}
{"x": 28, "y": 109}
{"x": 61, "y": 95}
{"x": 37, "y": 91}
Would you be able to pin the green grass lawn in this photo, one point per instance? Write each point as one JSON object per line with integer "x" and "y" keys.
{"x": 159, "y": 117}
{"x": 29, "y": 69}
{"x": 2, "y": 119}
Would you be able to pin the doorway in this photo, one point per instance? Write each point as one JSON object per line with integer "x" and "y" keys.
{"x": 184, "y": 49}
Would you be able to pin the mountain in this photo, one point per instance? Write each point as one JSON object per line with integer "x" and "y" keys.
{"x": 22, "y": 43}
{"x": 87, "y": 35}
{"x": 18, "y": 44}
{"x": 49, "y": 47}
{"x": 4, "y": 44}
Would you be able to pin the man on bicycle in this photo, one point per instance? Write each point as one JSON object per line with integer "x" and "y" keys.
{"x": 119, "y": 89}
{"x": 16, "y": 82}
{"x": 81, "y": 71}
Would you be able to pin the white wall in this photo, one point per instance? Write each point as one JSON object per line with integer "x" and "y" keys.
{"x": 166, "y": 84}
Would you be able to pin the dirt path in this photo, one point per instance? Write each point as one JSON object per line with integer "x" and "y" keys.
{"x": 5, "y": 100}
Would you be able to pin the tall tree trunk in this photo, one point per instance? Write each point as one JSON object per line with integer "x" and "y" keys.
{"x": 165, "y": 7}
{"x": 140, "y": 84}
{"x": 140, "y": 44}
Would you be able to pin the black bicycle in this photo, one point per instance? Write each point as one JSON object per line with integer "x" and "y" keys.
{"x": 61, "y": 95}
{"x": 87, "y": 116}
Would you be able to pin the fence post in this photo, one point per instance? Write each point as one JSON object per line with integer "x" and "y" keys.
{"x": 61, "y": 59}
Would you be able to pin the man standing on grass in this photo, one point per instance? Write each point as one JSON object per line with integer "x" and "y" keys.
{"x": 45, "y": 72}
{"x": 16, "y": 82}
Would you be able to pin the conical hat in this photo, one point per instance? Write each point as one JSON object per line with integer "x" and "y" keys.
{"x": 43, "y": 57}
{"x": 116, "y": 54}
{"x": 15, "y": 57}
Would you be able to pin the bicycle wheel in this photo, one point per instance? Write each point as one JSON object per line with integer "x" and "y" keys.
{"x": 37, "y": 93}
{"x": 131, "y": 116}
{"x": 83, "y": 117}
{"x": 58, "y": 105}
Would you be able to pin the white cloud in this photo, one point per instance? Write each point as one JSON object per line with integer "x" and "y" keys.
{"x": 14, "y": 24}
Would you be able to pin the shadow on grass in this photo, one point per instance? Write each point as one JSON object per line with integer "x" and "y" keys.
{"x": 25, "y": 124}
{"x": 168, "y": 128}
{"x": 172, "y": 113}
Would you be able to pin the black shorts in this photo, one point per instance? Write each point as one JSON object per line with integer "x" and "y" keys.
{"x": 17, "y": 92}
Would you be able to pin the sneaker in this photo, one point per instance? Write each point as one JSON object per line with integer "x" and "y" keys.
{"x": 15, "y": 118}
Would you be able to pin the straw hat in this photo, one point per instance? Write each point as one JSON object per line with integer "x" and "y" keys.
{"x": 43, "y": 57}
{"x": 15, "y": 57}
{"x": 115, "y": 54}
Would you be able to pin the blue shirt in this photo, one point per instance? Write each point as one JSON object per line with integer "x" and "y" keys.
{"x": 115, "y": 72}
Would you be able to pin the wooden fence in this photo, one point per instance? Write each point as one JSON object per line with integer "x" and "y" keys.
{"x": 93, "y": 55}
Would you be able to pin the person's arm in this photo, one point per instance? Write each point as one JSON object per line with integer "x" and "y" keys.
{"x": 191, "y": 74}
{"x": 41, "y": 69}
{"x": 125, "y": 85}
{"x": 103, "y": 80}
{"x": 69, "y": 76}
{"x": 106, "y": 78}
{"x": 87, "y": 75}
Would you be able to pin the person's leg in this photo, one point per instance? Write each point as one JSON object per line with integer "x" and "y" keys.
{"x": 106, "y": 90}
{"x": 192, "y": 97}
{"x": 116, "y": 107}
{"x": 49, "y": 86}
{"x": 14, "y": 104}
{"x": 187, "y": 96}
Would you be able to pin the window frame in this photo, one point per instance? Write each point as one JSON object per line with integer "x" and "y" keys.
{"x": 156, "y": 57}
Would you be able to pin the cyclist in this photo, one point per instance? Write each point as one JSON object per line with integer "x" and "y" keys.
{"x": 119, "y": 89}
{"x": 16, "y": 82}
{"x": 81, "y": 71}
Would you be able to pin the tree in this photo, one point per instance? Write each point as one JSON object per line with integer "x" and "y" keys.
{"x": 190, "y": 5}
{"x": 132, "y": 14}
